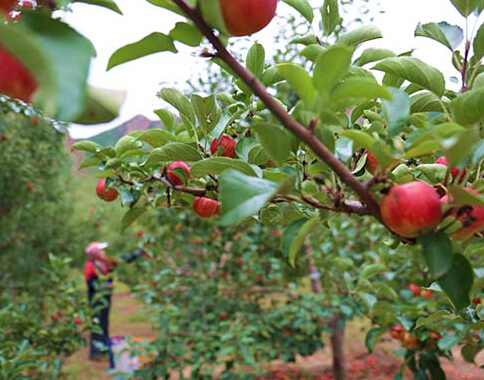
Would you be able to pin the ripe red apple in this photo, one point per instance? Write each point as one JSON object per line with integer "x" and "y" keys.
{"x": 15, "y": 80}
{"x": 7, "y": 5}
{"x": 77, "y": 321}
{"x": 411, "y": 209}
{"x": 454, "y": 171}
{"x": 226, "y": 144}
{"x": 173, "y": 172}
{"x": 397, "y": 332}
{"x": 415, "y": 289}
{"x": 435, "y": 335}
{"x": 371, "y": 163}
{"x": 409, "y": 341}
{"x": 427, "y": 294}
{"x": 472, "y": 218}
{"x": 105, "y": 193}
{"x": 206, "y": 207}
{"x": 239, "y": 17}
{"x": 476, "y": 301}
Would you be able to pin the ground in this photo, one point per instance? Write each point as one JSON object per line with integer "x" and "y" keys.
{"x": 128, "y": 318}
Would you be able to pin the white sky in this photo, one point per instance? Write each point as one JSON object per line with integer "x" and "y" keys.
{"x": 143, "y": 78}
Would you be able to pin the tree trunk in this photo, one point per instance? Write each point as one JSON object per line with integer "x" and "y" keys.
{"x": 337, "y": 347}
{"x": 336, "y": 324}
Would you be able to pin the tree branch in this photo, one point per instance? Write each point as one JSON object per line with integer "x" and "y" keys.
{"x": 279, "y": 111}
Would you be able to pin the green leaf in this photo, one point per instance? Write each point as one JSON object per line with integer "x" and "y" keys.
{"x": 277, "y": 141}
{"x": 312, "y": 52}
{"x": 255, "y": 60}
{"x": 180, "y": 102}
{"x": 52, "y": 51}
{"x": 355, "y": 90}
{"x": 362, "y": 138}
{"x": 170, "y": 5}
{"x": 156, "y": 137}
{"x": 300, "y": 80}
{"x": 186, "y": 34}
{"x": 470, "y": 351}
{"x": 396, "y": 111}
{"x": 303, "y": 7}
{"x": 425, "y": 101}
{"x": 243, "y": 196}
{"x": 448, "y": 35}
{"x": 217, "y": 165}
{"x": 467, "y": 107}
{"x": 131, "y": 215}
{"x": 371, "y": 270}
{"x": 330, "y": 16}
{"x": 415, "y": 71}
{"x": 464, "y": 198}
{"x": 457, "y": 282}
{"x": 207, "y": 111}
{"x": 167, "y": 118}
{"x": 331, "y": 66}
{"x": 360, "y": 35}
{"x": 458, "y": 148}
{"x": 173, "y": 152}
{"x": 438, "y": 253}
{"x": 373, "y": 336}
{"x": 108, "y": 4}
{"x": 102, "y": 106}
{"x": 151, "y": 44}
{"x": 125, "y": 144}
{"x": 298, "y": 238}
{"x": 465, "y": 7}
{"x": 478, "y": 43}
{"x": 86, "y": 146}
{"x": 373, "y": 55}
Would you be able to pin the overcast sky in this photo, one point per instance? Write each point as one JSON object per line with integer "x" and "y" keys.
{"x": 143, "y": 78}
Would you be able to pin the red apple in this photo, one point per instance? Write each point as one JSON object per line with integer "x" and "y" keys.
{"x": 476, "y": 301}
{"x": 427, "y": 294}
{"x": 225, "y": 144}
{"x": 410, "y": 342}
{"x": 411, "y": 209}
{"x": 415, "y": 289}
{"x": 397, "y": 332}
{"x": 472, "y": 218}
{"x": 371, "y": 163}
{"x": 454, "y": 171}
{"x": 15, "y": 80}
{"x": 77, "y": 321}
{"x": 105, "y": 193}
{"x": 7, "y": 5}
{"x": 206, "y": 207}
{"x": 435, "y": 335}
{"x": 238, "y": 17}
{"x": 173, "y": 172}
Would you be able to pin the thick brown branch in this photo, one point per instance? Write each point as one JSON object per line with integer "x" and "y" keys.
{"x": 304, "y": 134}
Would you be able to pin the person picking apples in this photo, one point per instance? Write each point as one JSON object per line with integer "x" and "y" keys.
{"x": 97, "y": 270}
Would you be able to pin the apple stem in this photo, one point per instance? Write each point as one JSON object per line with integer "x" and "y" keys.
{"x": 303, "y": 133}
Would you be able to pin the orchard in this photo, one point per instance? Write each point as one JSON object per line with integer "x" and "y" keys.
{"x": 287, "y": 196}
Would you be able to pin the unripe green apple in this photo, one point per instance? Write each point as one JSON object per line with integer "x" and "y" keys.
{"x": 411, "y": 209}
{"x": 238, "y": 17}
